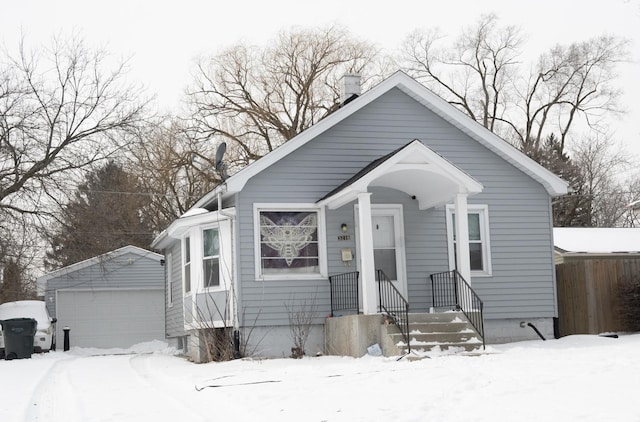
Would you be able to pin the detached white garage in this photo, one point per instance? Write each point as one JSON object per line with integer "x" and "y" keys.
{"x": 111, "y": 318}
{"x": 114, "y": 300}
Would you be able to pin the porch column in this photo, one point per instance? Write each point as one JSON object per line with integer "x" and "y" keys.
{"x": 463, "y": 263}
{"x": 367, "y": 266}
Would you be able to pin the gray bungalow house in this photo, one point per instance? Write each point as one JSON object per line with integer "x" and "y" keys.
{"x": 393, "y": 208}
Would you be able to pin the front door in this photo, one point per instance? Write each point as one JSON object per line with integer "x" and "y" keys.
{"x": 388, "y": 243}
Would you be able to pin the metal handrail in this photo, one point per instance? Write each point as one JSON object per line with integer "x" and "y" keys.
{"x": 451, "y": 289}
{"x": 344, "y": 292}
{"x": 394, "y": 305}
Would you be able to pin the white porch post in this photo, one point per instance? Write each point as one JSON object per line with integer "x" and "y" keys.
{"x": 367, "y": 270}
{"x": 462, "y": 237}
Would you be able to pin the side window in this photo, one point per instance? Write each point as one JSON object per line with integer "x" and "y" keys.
{"x": 479, "y": 247}
{"x": 169, "y": 269}
{"x": 211, "y": 257}
{"x": 186, "y": 274}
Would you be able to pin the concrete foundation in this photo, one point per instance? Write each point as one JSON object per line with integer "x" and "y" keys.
{"x": 276, "y": 341}
{"x": 498, "y": 331}
{"x": 351, "y": 335}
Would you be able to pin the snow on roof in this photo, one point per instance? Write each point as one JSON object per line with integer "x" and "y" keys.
{"x": 597, "y": 240}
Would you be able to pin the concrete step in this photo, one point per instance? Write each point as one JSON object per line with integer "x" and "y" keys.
{"x": 443, "y": 347}
{"x": 433, "y": 332}
{"x": 437, "y": 317}
{"x": 460, "y": 337}
{"x": 440, "y": 327}
{"x": 445, "y": 341}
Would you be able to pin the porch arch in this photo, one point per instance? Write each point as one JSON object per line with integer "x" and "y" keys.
{"x": 420, "y": 172}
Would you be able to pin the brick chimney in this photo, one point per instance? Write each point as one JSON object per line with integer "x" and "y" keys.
{"x": 350, "y": 87}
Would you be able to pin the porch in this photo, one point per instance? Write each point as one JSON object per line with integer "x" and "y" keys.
{"x": 455, "y": 321}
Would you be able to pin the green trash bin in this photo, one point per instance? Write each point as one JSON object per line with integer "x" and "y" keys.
{"x": 18, "y": 337}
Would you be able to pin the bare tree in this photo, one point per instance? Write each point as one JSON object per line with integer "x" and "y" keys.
{"x": 476, "y": 73}
{"x": 16, "y": 258}
{"x": 13, "y": 286}
{"x": 258, "y": 98}
{"x": 61, "y": 109}
{"x": 570, "y": 85}
{"x": 173, "y": 168}
{"x": 601, "y": 163}
{"x": 631, "y": 218}
{"x": 480, "y": 73}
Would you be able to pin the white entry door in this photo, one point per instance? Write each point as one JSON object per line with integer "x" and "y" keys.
{"x": 388, "y": 244}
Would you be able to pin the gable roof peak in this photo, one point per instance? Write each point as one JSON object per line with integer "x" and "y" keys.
{"x": 554, "y": 185}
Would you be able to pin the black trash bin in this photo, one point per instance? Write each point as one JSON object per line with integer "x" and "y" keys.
{"x": 18, "y": 337}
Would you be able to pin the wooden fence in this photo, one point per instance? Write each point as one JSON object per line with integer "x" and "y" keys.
{"x": 588, "y": 294}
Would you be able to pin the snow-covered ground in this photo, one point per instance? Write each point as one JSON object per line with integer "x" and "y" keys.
{"x": 577, "y": 378}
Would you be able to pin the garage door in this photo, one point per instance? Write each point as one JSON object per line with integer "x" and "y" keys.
{"x": 110, "y": 318}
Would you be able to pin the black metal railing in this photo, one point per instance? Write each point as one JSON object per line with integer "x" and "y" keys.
{"x": 394, "y": 305}
{"x": 451, "y": 290}
{"x": 344, "y": 292}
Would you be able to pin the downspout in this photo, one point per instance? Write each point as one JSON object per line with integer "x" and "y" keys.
{"x": 523, "y": 324}
{"x": 236, "y": 323}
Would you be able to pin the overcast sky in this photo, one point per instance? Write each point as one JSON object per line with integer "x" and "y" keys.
{"x": 163, "y": 37}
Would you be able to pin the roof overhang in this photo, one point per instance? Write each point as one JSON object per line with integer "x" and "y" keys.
{"x": 99, "y": 259}
{"x": 193, "y": 217}
{"x": 414, "y": 169}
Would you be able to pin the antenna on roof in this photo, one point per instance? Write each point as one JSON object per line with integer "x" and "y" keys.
{"x": 221, "y": 167}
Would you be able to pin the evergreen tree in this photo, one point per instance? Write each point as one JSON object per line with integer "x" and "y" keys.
{"x": 573, "y": 209}
{"x": 106, "y": 213}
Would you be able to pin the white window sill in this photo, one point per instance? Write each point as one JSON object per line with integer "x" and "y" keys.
{"x": 315, "y": 277}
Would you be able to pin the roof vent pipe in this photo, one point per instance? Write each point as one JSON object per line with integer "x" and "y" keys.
{"x": 350, "y": 87}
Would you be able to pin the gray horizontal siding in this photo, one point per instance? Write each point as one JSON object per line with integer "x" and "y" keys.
{"x": 212, "y": 307}
{"x": 174, "y": 315}
{"x": 127, "y": 271}
{"x": 519, "y": 213}
{"x": 266, "y": 303}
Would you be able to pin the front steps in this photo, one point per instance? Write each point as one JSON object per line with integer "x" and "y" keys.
{"x": 437, "y": 333}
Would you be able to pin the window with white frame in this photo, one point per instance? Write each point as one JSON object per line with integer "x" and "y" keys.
{"x": 211, "y": 257}
{"x": 169, "y": 265}
{"x": 289, "y": 242}
{"x": 186, "y": 271}
{"x": 479, "y": 246}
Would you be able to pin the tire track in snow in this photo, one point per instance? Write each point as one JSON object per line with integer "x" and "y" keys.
{"x": 163, "y": 389}
{"x": 103, "y": 388}
{"x": 53, "y": 399}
